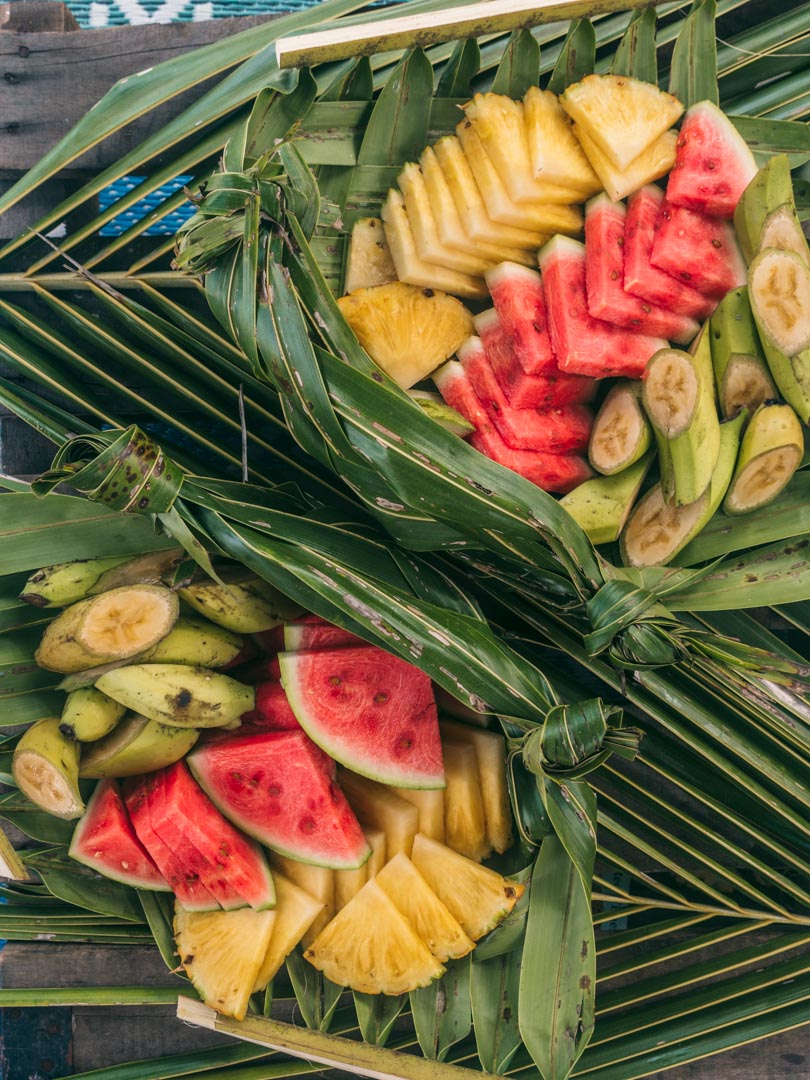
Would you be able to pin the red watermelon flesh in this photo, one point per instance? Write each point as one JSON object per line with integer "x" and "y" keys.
{"x": 604, "y": 276}
{"x": 270, "y": 641}
{"x": 105, "y": 840}
{"x": 585, "y": 345}
{"x": 699, "y": 250}
{"x": 559, "y": 473}
{"x": 231, "y": 867}
{"x": 641, "y": 278}
{"x": 454, "y": 386}
{"x": 272, "y": 712}
{"x": 187, "y": 887}
{"x": 713, "y": 164}
{"x": 371, "y": 711}
{"x": 259, "y": 671}
{"x": 315, "y": 633}
{"x": 279, "y": 787}
{"x": 517, "y": 293}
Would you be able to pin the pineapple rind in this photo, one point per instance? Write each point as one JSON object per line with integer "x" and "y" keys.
{"x": 554, "y": 151}
{"x": 317, "y": 881}
{"x": 430, "y": 807}
{"x": 621, "y": 115}
{"x": 372, "y": 948}
{"x": 378, "y": 806}
{"x": 378, "y": 856}
{"x": 465, "y": 829}
{"x": 295, "y": 912}
{"x": 656, "y": 160}
{"x": 369, "y": 260}
{"x": 490, "y": 750}
{"x": 348, "y": 884}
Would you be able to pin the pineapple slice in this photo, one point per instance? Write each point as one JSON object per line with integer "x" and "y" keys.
{"x": 408, "y": 331}
{"x": 369, "y": 260}
{"x": 430, "y": 807}
{"x": 656, "y": 160}
{"x": 377, "y": 858}
{"x": 450, "y": 226}
{"x": 348, "y": 883}
{"x": 465, "y": 828}
{"x": 412, "y": 269}
{"x": 554, "y": 153}
{"x": 546, "y": 218}
{"x": 425, "y": 230}
{"x": 490, "y": 752}
{"x": 378, "y": 806}
{"x": 499, "y": 123}
{"x": 317, "y": 881}
{"x": 470, "y": 205}
{"x": 222, "y": 952}
{"x": 414, "y": 898}
{"x": 371, "y": 947}
{"x": 621, "y": 115}
{"x": 477, "y": 896}
{"x": 295, "y": 912}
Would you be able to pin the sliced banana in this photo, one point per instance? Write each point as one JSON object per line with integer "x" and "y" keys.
{"x": 657, "y": 529}
{"x": 671, "y": 392}
{"x": 782, "y": 230}
{"x": 621, "y": 433}
{"x": 45, "y": 767}
{"x": 779, "y": 289}
{"x": 771, "y": 451}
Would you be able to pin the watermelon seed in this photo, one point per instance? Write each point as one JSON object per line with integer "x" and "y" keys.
{"x": 716, "y": 243}
{"x": 380, "y": 698}
{"x": 334, "y": 680}
{"x": 307, "y": 825}
{"x": 274, "y": 789}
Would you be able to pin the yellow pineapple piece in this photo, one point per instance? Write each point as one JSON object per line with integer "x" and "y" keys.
{"x": 408, "y": 331}
{"x": 371, "y": 947}
{"x": 412, "y": 269}
{"x": 554, "y": 152}
{"x": 477, "y": 896}
{"x": 450, "y": 226}
{"x": 222, "y": 952}
{"x": 656, "y": 160}
{"x": 295, "y": 912}
{"x": 490, "y": 752}
{"x": 369, "y": 260}
{"x": 376, "y": 841}
{"x": 420, "y": 905}
{"x": 465, "y": 828}
{"x": 470, "y": 203}
{"x": 621, "y": 115}
{"x": 500, "y": 125}
{"x": 430, "y": 807}
{"x": 317, "y": 881}
{"x": 348, "y": 883}
{"x": 378, "y": 806}
{"x": 545, "y": 218}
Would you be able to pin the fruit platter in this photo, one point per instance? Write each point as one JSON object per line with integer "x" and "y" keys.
{"x": 411, "y": 627}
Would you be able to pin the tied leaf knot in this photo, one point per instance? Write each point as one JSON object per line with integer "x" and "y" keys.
{"x": 632, "y": 625}
{"x": 575, "y": 739}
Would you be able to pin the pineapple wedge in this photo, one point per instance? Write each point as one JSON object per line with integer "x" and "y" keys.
{"x": 470, "y": 205}
{"x": 295, "y": 912}
{"x": 414, "y": 898}
{"x": 554, "y": 152}
{"x": 621, "y": 115}
{"x": 222, "y": 952}
{"x": 369, "y": 260}
{"x": 490, "y": 752}
{"x": 477, "y": 896}
{"x": 371, "y": 947}
{"x": 500, "y": 125}
{"x": 450, "y": 226}
{"x": 465, "y": 827}
{"x": 408, "y": 331}
{"x": 656, "y": 160}
{"x": 415, "y": 271}
{"x": 430, "y": 805}
{"x": 348, "y": 884}
{"x": 377, "y": 858}
{"x": 545, "y": 218}
{"x": 317, "y": 881}
{"x": 378, "y": 806}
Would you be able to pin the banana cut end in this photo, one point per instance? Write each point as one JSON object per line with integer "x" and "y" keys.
{"x": 44, "y": 783}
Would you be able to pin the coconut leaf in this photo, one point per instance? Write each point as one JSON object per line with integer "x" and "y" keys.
{"x": 519, "y": 67}
{"x": 636, "y": 54}
{"x": 441, "y": 1012}
{"x": 577, "y": 57}
{"x": 693, "y": 74}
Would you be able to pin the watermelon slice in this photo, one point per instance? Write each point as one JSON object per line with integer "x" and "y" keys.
{"x": 604, "y": 276}
{"x": 517, "y": 293}
{"x": 312, "y": 632}
{"x": 105, "y": 840}
{"x": 713, "y": 164}
{"x": 272, "y": 712}
{"x": 559, "y": 473}
{"x": 369, "y": 710}
{"x": 585, "y": 345}
{"x": 280, "y": 788}
{"x": 641, "y": 278}
{"x": 454, "y": 386}
{"x": 699, "y": 250}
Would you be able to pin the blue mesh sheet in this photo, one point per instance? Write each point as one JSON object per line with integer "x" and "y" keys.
{"x": 165, "y": 225}
{"x": 96, "y": 13}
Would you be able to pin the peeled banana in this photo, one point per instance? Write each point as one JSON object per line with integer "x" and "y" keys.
{"x": 195, "y": 641}
{"x": 179, "y": 695}
{"x": 770, "y": 453}
{"x": 66, "y": 583}
{"x": 137, "y": 745}
{"x": 770, "y": 190}
{"x": 89, "y": 715}
{"x": 246, "y": 605}
{"x": 600, "y": 506}
{"x": 779, "y": 290}
{"x": 621, "y": 432}
{"x": 45, "y": 767}
{"x": 740, "y": 370}
{"x": 782, "y": 229}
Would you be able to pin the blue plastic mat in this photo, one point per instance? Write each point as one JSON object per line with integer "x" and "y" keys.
{"x": 97, "y": 13}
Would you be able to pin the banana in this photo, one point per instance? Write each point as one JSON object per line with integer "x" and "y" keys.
{"x": 149, "y": 569}
{"x": 657, "y": 530}
{"x": 137, "y": 745}
{"x": 244, "y": 603}
{"x": 770, "y": 453}
{"x": 621, "y": 433}
{"x": 678, "y": 398}
{"x": 779, "y": 291}
{"x": 45, "y": 767}
{"x": 66, "y": 583}
{"x": 178, "y": 694}
{"x": 600, "y": 506}
{"x": 771, "y": 188}
{"x": 195, "y": 641}
{"x": 111, "y": 626}
{"x": 782, "y": 229}
{"x": 740, "y": 370}
{"x": 89, "y": 715}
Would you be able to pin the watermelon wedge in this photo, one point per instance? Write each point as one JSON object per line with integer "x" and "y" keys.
{"x": 105, "y": 840}
{"x": 371, "y": 711}
{"x": 272, "y": 712}
{"x": 582, "y": 344}
{"x": 604, "y": 277}
{"x": 559, "y": 473}
{"x": 280, "y": 788}
{"x": 699, "y": 250}
{"x": 454, "y": 386}
{"x": 644, "y": 280}
{"x": 517, "y": 293}
{"x": 713, "y": 163}
{"x": 312, "y": 632}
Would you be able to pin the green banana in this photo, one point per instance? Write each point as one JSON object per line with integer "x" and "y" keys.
{"x": 770, "y": 189}
{"x": 243, "y": 603}
{"x": 148, "y": 569}
{"x": 178, "y": 694}
{"x": 45, "y": 767}
{"x": 740, "y": 370}
{"x": 779, "y": 291}
{"x": 89, "y": 715}
{"x": 621, "y": 433}
{"x": 66, "y": 583}
{"x": 137, "y": 745}
{"x": 600, "y": 506}
{"x": 782, "y": 229}
{"x": 770, "y": 453}
{"x": 195, "y": 641}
